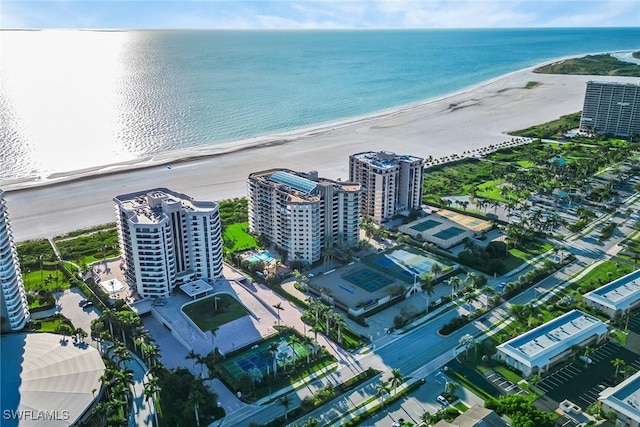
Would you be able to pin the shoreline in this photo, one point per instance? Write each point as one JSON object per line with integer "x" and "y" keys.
{"x": 256, "y": 142}
{"x": 474, "y": 117}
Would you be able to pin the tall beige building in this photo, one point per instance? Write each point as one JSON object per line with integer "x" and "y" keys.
{"x": 391, "y": 183}
{"x": 303, "y": 214}
{"x": 167, "y": 239}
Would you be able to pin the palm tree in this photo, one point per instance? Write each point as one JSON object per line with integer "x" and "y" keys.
{"x": 122, "y": 353}
{"x": 285, "y": 401}
{"x": 151, "y": 390}
{"x": 193, "y": 356}
{"x": 279, "y": 308}
{"x": 339, "y": 323}
{"x": 454, "y": 282}
{"x": 196, "y": 398}
{"x": 436, "y": 270}
{"x": 469, "y": 299}
{"x": 293, "y": 341}
{"x": 382, "y": 388}
{"x": 396, "y": 379}
{"x": 309, "y": 345}
{"x": 273, "y": 350}
{"x": 467, "y": 341}
{"x": 618, "y": 363}
{"x": 200, "y": 360}
{"x": 429, "y": 289}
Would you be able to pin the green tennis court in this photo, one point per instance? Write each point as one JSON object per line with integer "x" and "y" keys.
{"x": 368, "y": 280}
{"x": 448, "y": 233}
{"x": 425, "y": 225}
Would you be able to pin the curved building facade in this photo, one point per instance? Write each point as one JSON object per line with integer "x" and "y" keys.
{"x": 14, "y": 310}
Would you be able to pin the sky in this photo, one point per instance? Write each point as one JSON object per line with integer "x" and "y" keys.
{"x": 327, "y": 14}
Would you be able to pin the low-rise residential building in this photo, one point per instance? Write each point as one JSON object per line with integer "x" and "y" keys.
{"x": 167, "y": 239}
{"x": 303, "y": 214}
{"x": 616, "y": 298}
{"x": 624, "y": 400}
{"x": 391, "y": 183}
{"x": 536, "y": 351}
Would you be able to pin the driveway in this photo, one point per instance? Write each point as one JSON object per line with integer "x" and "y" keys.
{"x": 81, "y": 318}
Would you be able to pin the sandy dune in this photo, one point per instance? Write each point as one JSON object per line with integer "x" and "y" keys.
{"x": 470, "y": 119}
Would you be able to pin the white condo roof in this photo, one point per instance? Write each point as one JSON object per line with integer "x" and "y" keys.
{"x": 619, "y": 294}
{"x": 625, "y": 397}
{"x": 41, "y": 376}
{"x": 538, "y": 346}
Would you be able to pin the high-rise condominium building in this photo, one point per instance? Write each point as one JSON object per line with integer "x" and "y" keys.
{"x": 391, "y": 183}
{"x": 167, "y": 239}
{"x": 14, "y": 310}
{"x": 303, "y": 214}
{"x": 611, "y": 108}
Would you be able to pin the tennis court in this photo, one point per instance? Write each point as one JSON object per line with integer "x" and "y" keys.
{"x": 258, "y": 356}
{"x": 425, "y": 225}
{"x": 368, "y": 280}
{"x": 448, "y": 233}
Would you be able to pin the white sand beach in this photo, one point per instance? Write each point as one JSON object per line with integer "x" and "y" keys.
{"x": 473, "y": 118}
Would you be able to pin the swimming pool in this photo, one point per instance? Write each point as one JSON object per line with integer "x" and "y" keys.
{"x": 260, "y": 256}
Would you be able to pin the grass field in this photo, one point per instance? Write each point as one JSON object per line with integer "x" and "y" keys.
{"x": 203, "y": 312}
{"x": 49, "y": 280}
{"x": 607, "y": 272}
{"x": 237, "y": 235}
{"x": 52, "y": 325}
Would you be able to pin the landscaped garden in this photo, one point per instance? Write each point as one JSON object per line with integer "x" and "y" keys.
{"x": 211, "y": 312}
{"x": 90, "y": 246}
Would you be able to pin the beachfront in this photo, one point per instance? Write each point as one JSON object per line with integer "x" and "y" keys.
{"x": 475, "y": 118}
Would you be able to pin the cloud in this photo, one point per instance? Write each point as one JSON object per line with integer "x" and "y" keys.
{"x": 270, "y": 14}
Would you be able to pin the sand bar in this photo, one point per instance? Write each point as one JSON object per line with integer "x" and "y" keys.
{"x": 473, "y": 118}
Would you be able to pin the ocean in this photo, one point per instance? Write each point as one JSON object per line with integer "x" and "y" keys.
{"x": 73, "y": 100}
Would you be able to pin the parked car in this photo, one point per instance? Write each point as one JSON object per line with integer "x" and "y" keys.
{"x": 442, "y": 400}
{"x": 89, "y": 304}
{"x": 83, "y": 302}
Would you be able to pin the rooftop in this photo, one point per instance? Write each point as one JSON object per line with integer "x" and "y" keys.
{"x": 385, "y": 159}
{"x": 624, "y": 398}
{"x": 195, "y": 288}
{"x": 614, "y": 83}
{"x": 299, "y": 186}
{"x": 538, "y": 346}
{"x": 146, "y": 207}
{"x": 619, "y": 294}
{"x": 41, "y": 375}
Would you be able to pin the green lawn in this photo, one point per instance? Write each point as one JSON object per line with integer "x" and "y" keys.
{"x": 607, "y": 272}
{"x": 490, "y": 190}
{"x": 52, "y": 324}
{"x": 203, "y": 312}
{"x": 237, "y": 235}
{"x": 49, "y": 280}
{"x": 525, "y": 164}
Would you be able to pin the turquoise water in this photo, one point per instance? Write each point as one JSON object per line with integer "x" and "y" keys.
{"x": 261, "y": 256}
{"x": 76, "y": 99}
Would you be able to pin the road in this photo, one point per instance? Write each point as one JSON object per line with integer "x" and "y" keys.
{"x": 421, "y": 351}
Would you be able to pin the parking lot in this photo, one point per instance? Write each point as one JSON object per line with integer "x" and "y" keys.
{"x": 582, "y": 384}
{"x": 503, "y": 384}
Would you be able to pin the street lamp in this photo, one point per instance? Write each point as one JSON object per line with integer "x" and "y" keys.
{"x": 215, "y": 303}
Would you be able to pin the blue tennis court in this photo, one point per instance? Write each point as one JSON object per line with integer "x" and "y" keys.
{"x": 368, "y": 280}
{"x": 258, "y": 356}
